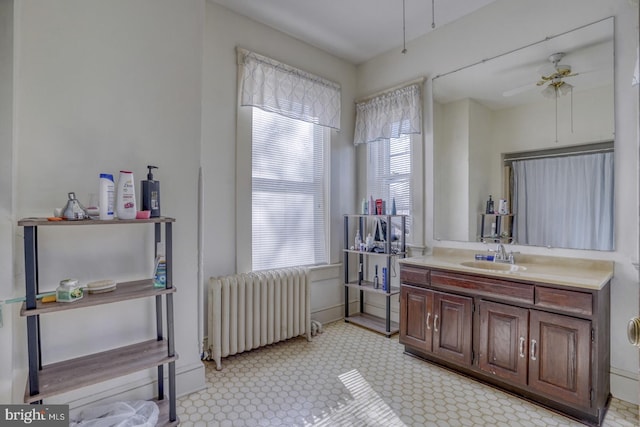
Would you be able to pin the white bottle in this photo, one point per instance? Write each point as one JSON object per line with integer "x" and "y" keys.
{"x": 107, "y": 193}
{"x": 358, "y": 241}
{"x": 126, "y": 196}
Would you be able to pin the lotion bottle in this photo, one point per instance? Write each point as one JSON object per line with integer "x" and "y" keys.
{"x": 126, "y": 196}
{"x": 151, "y": 194}
{"x": 107, "y": 193}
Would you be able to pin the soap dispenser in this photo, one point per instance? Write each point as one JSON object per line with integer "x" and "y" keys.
{"x": 151, "y": 194}
{"x": 490, "y": 206}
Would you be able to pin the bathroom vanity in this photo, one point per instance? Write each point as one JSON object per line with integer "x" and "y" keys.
{"x": 538, "y": 328}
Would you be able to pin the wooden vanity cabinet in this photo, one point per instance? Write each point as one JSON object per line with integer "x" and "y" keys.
{"x": 548, "y": 352}
{"x": 437, "y": 323}
{"x": 546, "y": 343}
{"x": 503, "y": 341}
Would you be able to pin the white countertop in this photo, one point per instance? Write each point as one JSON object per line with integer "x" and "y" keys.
{"x": 574, "y": 272}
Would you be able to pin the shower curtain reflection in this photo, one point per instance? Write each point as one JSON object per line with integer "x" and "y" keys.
{"x": 564, "y": 202}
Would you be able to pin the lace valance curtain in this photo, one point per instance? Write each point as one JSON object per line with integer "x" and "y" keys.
{"x": 394, "y": 113}
{"x": 279, "y": 88}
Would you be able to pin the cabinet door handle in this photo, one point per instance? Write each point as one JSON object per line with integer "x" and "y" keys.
{"x": 522, "y": 347}
{"x": 428, "y": 317}
{"x": 435, "y": 323}
{"x": 533, "y": 349}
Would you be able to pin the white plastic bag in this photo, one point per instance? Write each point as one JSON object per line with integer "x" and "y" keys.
{"x": 138, "y": 413}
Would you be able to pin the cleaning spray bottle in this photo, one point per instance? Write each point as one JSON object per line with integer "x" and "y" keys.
{"x": 151, "y": 194}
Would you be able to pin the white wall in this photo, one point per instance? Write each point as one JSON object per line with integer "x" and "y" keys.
{"x": 224, "y": 30}
{"x": 99, "y": 87}
{"x": 508, "y": 24}
{"x": 452, "y": 152}
{"x": 6, "y": 195}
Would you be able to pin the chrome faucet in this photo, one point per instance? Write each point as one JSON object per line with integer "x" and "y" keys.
{"x": 502, "y": 256}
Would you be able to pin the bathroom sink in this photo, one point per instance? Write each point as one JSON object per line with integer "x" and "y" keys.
{"x": 493, "y": 266}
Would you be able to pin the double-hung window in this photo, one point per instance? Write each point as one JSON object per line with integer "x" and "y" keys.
{"x": 288, "y": 192}
{"x": 390, "y": 125}
{"x": 284, "y": 121}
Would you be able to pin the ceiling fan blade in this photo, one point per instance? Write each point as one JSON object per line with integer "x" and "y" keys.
{"x": 519, "y": 90}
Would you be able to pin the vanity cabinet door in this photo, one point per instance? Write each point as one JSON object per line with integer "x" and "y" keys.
{"x": 452, "y": 327}
{"x": 416, "y": 317}
{"x": 560, "y": 357}
{"x": 504, "y": 338}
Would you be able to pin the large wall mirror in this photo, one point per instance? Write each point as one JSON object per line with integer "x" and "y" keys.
{"x": 533, "y": 127}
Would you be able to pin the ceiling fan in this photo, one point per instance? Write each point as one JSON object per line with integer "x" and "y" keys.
{"x": 555, "y": 78}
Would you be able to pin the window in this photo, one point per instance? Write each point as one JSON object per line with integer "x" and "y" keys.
{"x": 389, "y": 173}
{"x": 288, "y": 192}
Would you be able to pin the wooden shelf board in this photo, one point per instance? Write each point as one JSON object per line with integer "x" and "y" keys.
{"x": 353, "y": 251}
{"x": 83, "y": 371}
{"x": 373, "y": 216}
{"x": 374, "y": 323}
{"x": 124, "y": 291}
{"x": 31, "y": 222}
{"x": 367, "y": 286}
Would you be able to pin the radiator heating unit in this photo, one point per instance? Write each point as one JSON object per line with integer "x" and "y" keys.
{"x": 251, "y": 310}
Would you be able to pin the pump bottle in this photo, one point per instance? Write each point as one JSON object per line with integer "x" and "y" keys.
{"x": 151, "y": 194}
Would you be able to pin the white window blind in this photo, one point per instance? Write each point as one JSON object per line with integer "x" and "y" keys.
{"x": 289, "y": 203}
{"x": 389, "y": 173}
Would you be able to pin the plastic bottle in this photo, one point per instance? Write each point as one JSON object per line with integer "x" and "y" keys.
{"x": 358, "y": 241}
{"x": 107, "y": 193}
{"x": 126, "y": 196}
{"x": 151, "y": 194}
{"x": 376, "y": 281}
{"x": 160, "y": 268}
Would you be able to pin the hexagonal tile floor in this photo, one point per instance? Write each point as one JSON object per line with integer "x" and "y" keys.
{"x": 349, "y": 376}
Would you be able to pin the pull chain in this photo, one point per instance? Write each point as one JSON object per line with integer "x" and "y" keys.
{"x": 404, "y": 30}
{"x": 433, "y": 13}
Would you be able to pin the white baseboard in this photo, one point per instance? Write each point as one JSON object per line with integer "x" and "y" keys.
{"x": 625, "y": 385}
{"x": 331, "y": 314}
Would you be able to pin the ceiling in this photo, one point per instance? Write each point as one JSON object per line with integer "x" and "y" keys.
{"x": 511, "y": 79}
{"x": 354, "y": 30}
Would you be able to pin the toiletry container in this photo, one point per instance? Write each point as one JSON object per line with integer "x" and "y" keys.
{"x": 126, "y": 196}
{"x": 503, "y": 208}
{"x": 358, "y": 241}
{"x": 151, "y": 194}
{"x": 68, "y": 291}
{"x": 74, "y": 209}
{"x": 490, "y": 206}
{"x": 160, "y": 268}
{"x": 107, "y": 193}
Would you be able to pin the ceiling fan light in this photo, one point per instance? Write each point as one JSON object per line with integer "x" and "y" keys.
{"x": 565, "y": 88}
{"x": 549, "y": 91}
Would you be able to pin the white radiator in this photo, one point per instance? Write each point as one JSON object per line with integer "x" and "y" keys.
{"x": 251, "y": 310}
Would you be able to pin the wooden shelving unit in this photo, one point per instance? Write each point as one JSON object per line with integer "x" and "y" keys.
{"x": 382, "y": 325}
{"x": 50, "y": 380}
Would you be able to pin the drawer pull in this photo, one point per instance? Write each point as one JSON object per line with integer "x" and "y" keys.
{"x": 533, "y": 349}
{"x": 522, "y": 347}
{"x": 435, "y": 323}
{"x": 428, "y": 317}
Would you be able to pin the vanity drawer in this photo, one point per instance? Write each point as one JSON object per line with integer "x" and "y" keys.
{"x": 414, "y": 275}
{"x": 561, "y": 299}
{"x": 483, "y": 286}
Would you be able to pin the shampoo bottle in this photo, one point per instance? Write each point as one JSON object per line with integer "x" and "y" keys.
{"x": 160, "y": 268}
{"x": 126, "y": 196}
{"x": 107, "y": 193}
{"x": 151, "y": 194}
